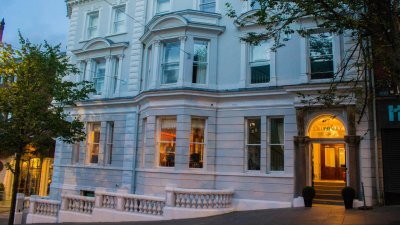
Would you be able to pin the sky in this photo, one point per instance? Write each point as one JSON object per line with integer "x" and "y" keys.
{"x": 38, "y": 20}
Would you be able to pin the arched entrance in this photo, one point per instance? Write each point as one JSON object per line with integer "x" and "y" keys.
{"x": 328, "y": 149}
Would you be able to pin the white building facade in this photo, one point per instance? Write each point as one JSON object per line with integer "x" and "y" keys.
{"x": 182, "y": 104}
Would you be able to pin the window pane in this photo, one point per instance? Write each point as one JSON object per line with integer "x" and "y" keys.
{"x": 92, "y": 25}
{"x": 167, "y": 154}
{"x": 207, "y": 5}
{"x": 171, "y": 52}
{"x": 94, "y": 142}
{"x": 321, "y": 56}
{"x": 170, "y": 73}
{"x": 199, "y": 73}
{"x": 277, "y": 133}
{"x": 260, "y": 74}
{"x": 168, "y": 130}
{"x": 200, "y": 51}
{"x": 253, "y": 157}
{"x": 277, "y": 157}
{"x": 163, "y": 6}
{"x": 260, "y": 52}
{"x": 98, "y": 78}
{"x": 254, "y": 131}
{"x": 196, "y": 150}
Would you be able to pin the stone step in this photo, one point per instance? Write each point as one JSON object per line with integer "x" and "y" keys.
{"x": 329, "y": 197}
{"x": 328, "y": 192}
{"x": 327, "y": 202}
{"x": 327, "y": 187}
{"x": 331, "y": 184}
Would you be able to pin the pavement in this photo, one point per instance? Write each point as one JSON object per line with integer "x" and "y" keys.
{"x": 317, "y": 215}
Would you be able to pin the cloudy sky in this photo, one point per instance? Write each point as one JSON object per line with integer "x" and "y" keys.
{"x": 37, "y": 20}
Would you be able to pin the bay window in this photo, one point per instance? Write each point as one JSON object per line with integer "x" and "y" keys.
{"x": 207, "y": 5}
{"x": 170, "y": 65}
{"x": 196, "y": 151}
{"x": 93, "y": 142}
{"x": 200, "y": 62}
{"x": 253, "y": 143}
{"x": 115, "y": 75}
{"x": 260, "y": 58}
{"x": 166, "y": 141}
{"x": 321, "y": 55}
{"x": 276, "y": 143}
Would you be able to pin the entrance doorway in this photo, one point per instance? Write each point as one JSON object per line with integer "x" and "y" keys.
{"x": 329, "y": 162}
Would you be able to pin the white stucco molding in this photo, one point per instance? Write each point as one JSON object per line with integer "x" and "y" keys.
{"x": 99, "y": 44}
{"x": 71, "y": 3}
{"x": 247, "y": 19}
{"x": 182, "y": 20}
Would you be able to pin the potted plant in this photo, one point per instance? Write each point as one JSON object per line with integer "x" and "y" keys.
{"x": 308, "y": 195}
{"x": 1, "y": 191}
{"x": 348, "y": 194}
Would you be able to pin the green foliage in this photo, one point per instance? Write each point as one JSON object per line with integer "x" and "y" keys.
{"x": 34, "y": 95}
{"x": 348, "y": 193}
{"x": 308, "y": 192}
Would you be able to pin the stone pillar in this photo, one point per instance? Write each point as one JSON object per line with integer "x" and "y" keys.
{"x": 353, "y": 168}
{"x": 300, "y": 147}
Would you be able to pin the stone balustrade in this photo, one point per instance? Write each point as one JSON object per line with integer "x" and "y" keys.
{"x": 199, "y": 198}
{"x": 131, "y": 203}
{"x": 45, "y": 207}
{"x": 77, "y": 203}
{"x": 26, "y": 203}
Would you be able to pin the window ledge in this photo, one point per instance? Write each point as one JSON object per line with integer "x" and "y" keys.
{"x": 94, "y": 166}
{"x": 116, "y": 34}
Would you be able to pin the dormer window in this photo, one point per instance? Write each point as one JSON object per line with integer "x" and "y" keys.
{"x": 163, "y": 6}
{"x": 92, "y": 25}
{"x": 207, "y": 5}
{"x": 170, "y": 65}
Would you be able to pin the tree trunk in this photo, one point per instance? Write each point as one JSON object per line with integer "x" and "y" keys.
{"x": 15, "y": 186}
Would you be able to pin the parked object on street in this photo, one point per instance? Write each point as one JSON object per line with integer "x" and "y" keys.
{"x": 348, "y": 194}
{"x": 308, "y": 195}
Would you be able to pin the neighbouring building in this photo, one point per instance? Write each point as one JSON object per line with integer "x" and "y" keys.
{"x": 183, "y": 106}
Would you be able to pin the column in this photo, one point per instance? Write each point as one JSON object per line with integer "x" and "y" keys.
{"x": 182, "y": 57}
{"x": 353, "y": 169}
{"x": 300, "y": 147}
{"x": 118, "y": 77}
{"x": 156, "y": 64}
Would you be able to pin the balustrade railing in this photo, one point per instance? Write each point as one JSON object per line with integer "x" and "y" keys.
{"x": 144, "y": 204}
{"x": 202, "y": 199}
{"x": 77, "y": 203}
{"x": 44, "y": 207}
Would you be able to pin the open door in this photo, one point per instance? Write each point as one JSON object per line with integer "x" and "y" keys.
{"x": 333, "y": 162}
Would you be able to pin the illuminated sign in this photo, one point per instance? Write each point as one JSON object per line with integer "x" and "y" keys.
{"x": 392, "y": 111}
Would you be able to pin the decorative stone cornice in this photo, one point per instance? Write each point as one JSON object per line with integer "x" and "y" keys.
{"x": 71, "y": 3}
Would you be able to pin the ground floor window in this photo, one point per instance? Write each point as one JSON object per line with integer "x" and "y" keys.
{"x": 276, "y": 143}
{"x": 253, "y": 143}
{"x": 93, "y": 142}
{"x": 197, "y": 138}
{"x": 167, "y": 141}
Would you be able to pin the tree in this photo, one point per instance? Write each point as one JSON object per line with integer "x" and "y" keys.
{"x": 33, "y": 97}
{"x": 373, "y": 25}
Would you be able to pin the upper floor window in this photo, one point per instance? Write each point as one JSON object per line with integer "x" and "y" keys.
{"x": 99, "y": 75}
{"x": 253, "y": 143}
{"x": 196, "y": 153}
{"x": 207, "y": 5}
{"x": 115, "y": 75}
{"x": 93, "y": 142}
{"x": 167, "y": 141}
{"x": 163, "y": 6}
{"x": 260, "y": 58}
{"x": 321, "y": 55}
{"x": 170, "y": 65}
{"x": 200, "y": 62}
{"x": 92, "y": 24}
{"x": 119, "y": 19}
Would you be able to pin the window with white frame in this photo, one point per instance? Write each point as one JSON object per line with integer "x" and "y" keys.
{"x": 119, "y": 19}
{"x": 207, "y": 5}
{"x": 82, "y": 70}
{"x": 253, "y": 143}
{"x": 144, "y": 141}
{"x": 197, "y": 142}
{"x": 93, "y": 142}
{"x": 99, "y": 75}
{"x": 75, "y": 152}
{"x": 163, "y": 6}
{"x": 200, "y": 62}
{"x": 115, "y": 74}
{"x": 321, "y": 55}
{"x": 109, "y": 142}
{"x": 92, "y": 24}
{"x": 260, "y": 63}
{"x": 276, "y": 143}
{"x": 166, "y": 141}
{"x": 170, "y": 65}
